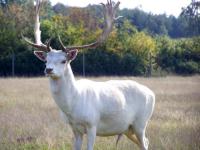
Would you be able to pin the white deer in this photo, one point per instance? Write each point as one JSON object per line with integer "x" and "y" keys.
{"x": 108, "y": 108}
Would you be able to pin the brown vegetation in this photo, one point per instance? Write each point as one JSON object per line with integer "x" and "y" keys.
{"x": 29, "y": 118}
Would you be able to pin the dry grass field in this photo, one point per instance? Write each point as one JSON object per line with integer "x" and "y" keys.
{"x": 29, "y": 118}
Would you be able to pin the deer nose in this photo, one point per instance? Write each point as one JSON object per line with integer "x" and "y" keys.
{"x": 48, "y": 70}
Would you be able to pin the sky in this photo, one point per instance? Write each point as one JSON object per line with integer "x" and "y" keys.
{"x": 169, "y": 7}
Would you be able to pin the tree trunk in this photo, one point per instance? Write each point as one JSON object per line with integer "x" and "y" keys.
{"x": 149, "y": 70}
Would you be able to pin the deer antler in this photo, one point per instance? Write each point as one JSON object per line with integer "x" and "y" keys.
{"x": 109, "y": 11}
{"x": 37, "y": 32}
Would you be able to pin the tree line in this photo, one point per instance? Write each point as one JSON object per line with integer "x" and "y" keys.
{"x": 140, "y": 44}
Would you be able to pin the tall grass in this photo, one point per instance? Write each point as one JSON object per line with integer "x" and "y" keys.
{"x": 29, "y": 118}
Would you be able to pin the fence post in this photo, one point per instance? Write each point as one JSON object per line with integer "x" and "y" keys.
{"x": 13, "y": 64}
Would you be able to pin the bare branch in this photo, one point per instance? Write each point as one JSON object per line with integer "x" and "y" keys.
{"x": 37, "y": 32}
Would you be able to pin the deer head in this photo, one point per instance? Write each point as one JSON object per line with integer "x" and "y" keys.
{"x": 56, "y": 60}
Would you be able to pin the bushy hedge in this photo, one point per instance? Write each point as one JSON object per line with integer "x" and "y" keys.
{"x": 174, "y": 56}
{"x": 179, "y": 56}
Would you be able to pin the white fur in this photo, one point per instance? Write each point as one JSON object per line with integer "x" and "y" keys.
{"x": 100, "y": 108}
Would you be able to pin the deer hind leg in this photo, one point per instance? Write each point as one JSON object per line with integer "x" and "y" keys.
{"x": 140, "y": 134}
{"x": 78, "y": 138}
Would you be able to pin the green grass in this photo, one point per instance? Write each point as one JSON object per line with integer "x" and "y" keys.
{"x": 29, "y": 118}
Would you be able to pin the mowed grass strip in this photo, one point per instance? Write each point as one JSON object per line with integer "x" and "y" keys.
{"x": 29, "y": 118}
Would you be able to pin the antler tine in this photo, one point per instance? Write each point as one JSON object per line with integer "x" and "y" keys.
{"x": 48, "y": 44}
{"x": 109, "y": 11}
{"x": 41, "y": 46}
{"x": 67, "y": 49}
{"x": 37, "y": 32}
{"x": 61, "y": 43}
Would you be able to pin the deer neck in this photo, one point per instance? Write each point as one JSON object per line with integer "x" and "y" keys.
{"x": 64, "y": 89}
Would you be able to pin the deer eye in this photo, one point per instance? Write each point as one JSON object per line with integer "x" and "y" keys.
{"x": 63, "y": 62}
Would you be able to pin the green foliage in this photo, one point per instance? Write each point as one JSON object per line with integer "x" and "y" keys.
{"x": 189, "y": 67}
{"x": 179, "y": 56}
{"x": 137, "y": 45}
{"x": 142, "y": 47}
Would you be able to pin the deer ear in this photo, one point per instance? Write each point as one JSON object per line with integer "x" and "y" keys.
{"x": 41, "y": 55}
{"x": 71, "y": 55}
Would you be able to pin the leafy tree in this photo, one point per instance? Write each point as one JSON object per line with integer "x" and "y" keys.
{"x": 136, "y": 16}
{"x": 60, "y": 8}
{"x": 191, "y": 12}
{"x": 138, "y": 42}
{"x": 142, "y": 47}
